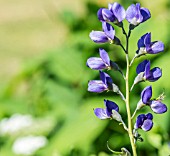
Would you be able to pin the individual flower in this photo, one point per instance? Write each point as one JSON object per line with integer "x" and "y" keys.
{"x": 99, "y": 63}
{"x": 103, "y": 62}
{"x": 105, "y": 113}
{"x": 156, "y": 105}
{"x": 145, "y": 73}
{"x": 136, "y": 15}
{"x": 144, "y": 122}
{"x": 146, "y": 46}
{"x": 99, "y": 86}
{"x": 115, "y": 13}
{"x": 107, "y": 35}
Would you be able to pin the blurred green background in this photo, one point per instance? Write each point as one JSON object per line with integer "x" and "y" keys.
{"x": 44, "y": 46}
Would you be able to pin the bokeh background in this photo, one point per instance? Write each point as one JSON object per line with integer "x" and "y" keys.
{"x": 44, "y": 45}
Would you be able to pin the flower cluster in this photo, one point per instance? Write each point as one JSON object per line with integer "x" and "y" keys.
{"x": 112, "y": 16}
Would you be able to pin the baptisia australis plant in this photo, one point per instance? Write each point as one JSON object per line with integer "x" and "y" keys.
{"x": 112, "y": 16}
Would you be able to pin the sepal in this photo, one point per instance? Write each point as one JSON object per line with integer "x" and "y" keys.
{"x": 115, "y": 88}
{"x": 116, "y": 116}
{"x": 140, "y": 105}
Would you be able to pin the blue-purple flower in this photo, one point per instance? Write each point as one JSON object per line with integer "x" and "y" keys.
{"x": 102, "y": 62}
{"x": 156, "y": 105}
{"x": 146, "y": 46}
{"x": 107, "y": 35}
{"x": 145, "y": 73}
{"x": 105, "y": 113}
{"x": 97, "y": 63}
{"x": 98, "y": 86}
{"x": 115, "y": 13}
{"x": 144, "y": 122}
{"x": 136, "y": 15}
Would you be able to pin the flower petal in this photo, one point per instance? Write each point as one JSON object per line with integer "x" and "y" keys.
{"x": 154, "y": 74}
{"x": 110, "y": 105}
{"x": 96, "y": 63}
{"x": 146, "y": 94}
{"x": 141, "y": 41}
{"x": 141, "y": 67}
{"x": 101, "y": 113}
{"x": 118, "y": 11}
{"x": 145, "y": 13}
{"x": 158, "y": 107}
{"x": 139, "y": 121}
{"x": 147, "y": 125}
{"x": 109, "y": 30}
{"x": 104, "y": 77}
{"x": 108, "y": 15}
{"x": 100, "y": 15}
{"x": 98, "y": 37}
{"x": 147, "y": 40}
{"x": 147, "y": 72}
{"x": 156, "y": 47}
{"x": 104, "y": 56}
{"x": 149, "y": 116}
{"x": 96, "y": 86}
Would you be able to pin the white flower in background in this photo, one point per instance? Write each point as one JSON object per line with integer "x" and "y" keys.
{"x": 28, "y": 145}
{"x": 15, "y": 123}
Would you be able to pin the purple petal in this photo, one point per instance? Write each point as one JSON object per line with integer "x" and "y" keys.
{"x": 100, "y": 15}
{"x": 96, "y": 86}
{"x": 141, "y": 67}
{"x": 101, "y": 113}
{"x": 108, "y": 15}
{"x": 98, "y": 37}
{"x": 96, "y": 63}
{"x": 149, "y": 116}
{"x": 141, "y": 41}
{"x": 147, "y": 72}
{"x": 104, "y": 56}
{"x": 145, "y": 13}
{"x": 118, "y": 11}
{"x": 110, "y": 106}
{"x": 156, "y": 47}
{"x": 133, "y": 14}
{"x": 158, "y": 107}
{"x": 146, "y": 94}
{"x": 147, "y": 40}
{"x": 139, "y": 121}
{"x": 109, "y": 30}
{"x": 147, "y": 125}
{"x": 110, "y": 6}
{"x": 154, "y": 74}
{"x": 104, "y": 76}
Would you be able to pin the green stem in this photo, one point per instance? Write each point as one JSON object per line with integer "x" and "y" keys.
{"x": 132, "y": 140}
{"x": 128, "y": 110}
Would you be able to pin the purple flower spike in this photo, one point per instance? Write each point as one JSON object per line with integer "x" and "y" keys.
{"x": 144, "y": 122}
{"x": 99, "y": 86}
{"x": 115, "y": 13}
{"x": 147, "y": 73}
{"x": 146, "y": 46}
{"x": 136, "y": 15}
{"x": 156, "y": 105}
{"x": 99, "y": 63}
{"x": 107, "y": 35}
{"x": 105, "y": 113}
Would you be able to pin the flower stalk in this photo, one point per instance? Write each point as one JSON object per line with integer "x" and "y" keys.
{"x": 114, "y": 16}
{"x": 132, "y": 140}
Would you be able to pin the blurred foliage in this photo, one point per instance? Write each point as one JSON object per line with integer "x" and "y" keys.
{"x": 54, "y": 86}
